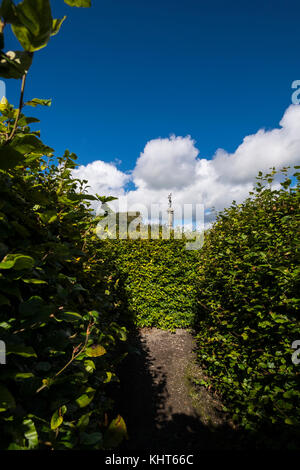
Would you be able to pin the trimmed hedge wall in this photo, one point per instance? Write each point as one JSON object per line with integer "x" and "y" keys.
{"x": 249, "y": 306}
{"x": 159, "y": 278}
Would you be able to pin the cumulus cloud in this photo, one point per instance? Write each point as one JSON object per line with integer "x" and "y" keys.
{"x": 262, "y": 150}
{"x": 173, "y": 165}
{"x": 161, "y": 156}
{"x": 103, "y": 178}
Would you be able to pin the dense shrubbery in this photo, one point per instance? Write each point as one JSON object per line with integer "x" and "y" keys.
{"x": 245, "y": 282}
{"x": 59, "y": 311}
{"x": 55, "y": 304}
{"x": 159, "y": 278}
{"x": 249, "y": 305}
{"x": 65, "y": 296}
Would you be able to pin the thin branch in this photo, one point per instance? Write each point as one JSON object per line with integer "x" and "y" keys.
{"x": 75, "y": 354}
{"x": 19, "y": 109}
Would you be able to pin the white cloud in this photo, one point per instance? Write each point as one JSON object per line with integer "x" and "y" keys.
{"x": 173, "y": 165}
{"x": 166, "y": 163}
{"x": 103, "y": 178}
{"x": 262, "y": 150}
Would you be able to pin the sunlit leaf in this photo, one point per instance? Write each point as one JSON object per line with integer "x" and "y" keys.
{"x": 34, "y": 26}
{"x": 56, "y": 24}
{"x": 86, "y": 398}
{"x": 96, "y": 350}
{"x": 116, "y": 432}
{"x": 69, "y": 316}
{"x": 21, "y": 350}
{"x": 17, "y": 262}
{"x": 78, "y": 3}
{"x": 57, "y": 417}
{"x": 37, "y": 101}
{"x": 31, "y": 434}
{"x": 34, "y": 281}
{"x": 89, "y": 366}
{"x": 26, "y": 143}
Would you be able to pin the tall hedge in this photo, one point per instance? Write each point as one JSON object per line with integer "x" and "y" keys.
{"x": 248, "y": 296}
{"x": 57, "y": 306}
{"x": 159, "y": 278}
{"x": 59, "y": 316}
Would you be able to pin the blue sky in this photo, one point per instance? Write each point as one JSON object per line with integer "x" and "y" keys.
{"x": 125, "y": 73}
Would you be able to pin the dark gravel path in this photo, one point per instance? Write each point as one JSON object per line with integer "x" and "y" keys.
{"x": 159, "y": 402}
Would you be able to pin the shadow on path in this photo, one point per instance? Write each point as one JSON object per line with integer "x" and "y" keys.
{"x": 156, "y": 404}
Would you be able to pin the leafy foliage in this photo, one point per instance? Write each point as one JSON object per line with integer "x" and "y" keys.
{"x": 78, "y": 3}
{"x": 159, "y": 279}
{"x": 249, "y": 305}
{"x": 59, "y": 316}
{"x": 54, "y": 306}
{"x": 64, "y": 293}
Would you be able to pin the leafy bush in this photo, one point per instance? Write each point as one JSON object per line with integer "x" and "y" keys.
{"x": 59, "y": 309}
{"x": 64, "y": 293}
{"x": 249, "y": 305}
{"x": 159, "y": 278}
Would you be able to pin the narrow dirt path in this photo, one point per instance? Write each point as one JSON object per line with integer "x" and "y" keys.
{"x": 160, "y": 402}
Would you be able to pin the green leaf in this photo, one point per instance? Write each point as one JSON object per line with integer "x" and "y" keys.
{"x": 56, "y": 24}
{"x": 8, "y": 11}
{"x": 34, "y": 281}
{"x": 86, "y": 398}
{"x": 4, "y": 105}
{"x": 84, "y": 421}
{"x": 13, "y": 64}
{"x": 31, "y": 434}
{"x": 21, "y": 350}
{"x": 57, "y": 417}
{"x": 69, "y": 316}
{"x": 48, "y": 217}
{"x": 34, "y": 26}
{"x": 23, "y": 375}
{"x": 7, "y": 401}
{"x": 9, "y": 157}
{"x": 25, "y": 121}
{"x": 96, "y": 350}
{"x": 115, "y": 433}
{"x": 14, "y": 446}
{"x": 78, "y": 3}
{"x": 37, "y": 101}
{"x": 17, "y": 262}
{"x": 35, "y": 307}
{"x": 89, "y": 366}
{"x": 109, "y": 376}
{"x": 27, "y": 143}
{"x": 291, "y": 421}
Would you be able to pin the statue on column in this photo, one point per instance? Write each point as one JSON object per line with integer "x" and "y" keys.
{"x": 170, "y": 213}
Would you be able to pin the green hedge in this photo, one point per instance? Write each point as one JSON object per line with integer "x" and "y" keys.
{"x": 59, "y": 309}
{"x": 249, "y": 305}
{"x": 56, "y": 304}
{"x": 159, "y": 278}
